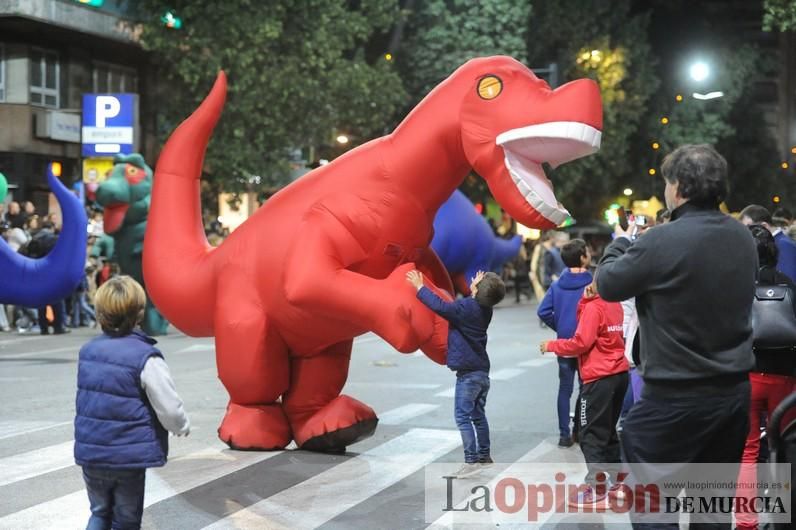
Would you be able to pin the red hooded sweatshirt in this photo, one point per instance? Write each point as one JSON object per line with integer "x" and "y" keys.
{"x": 597, "y": 342}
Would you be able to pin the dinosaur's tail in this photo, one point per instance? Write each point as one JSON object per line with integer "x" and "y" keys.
{"x": 37, "y": 282}
{"x": 178, "y": 268}
{"x": 505, "y": 250}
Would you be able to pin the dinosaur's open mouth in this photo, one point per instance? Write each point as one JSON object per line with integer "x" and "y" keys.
{"x": 113, "y": 217}
{"x": 556, "y": 143}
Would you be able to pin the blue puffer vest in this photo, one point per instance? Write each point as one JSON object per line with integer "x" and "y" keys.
{"x": 115, "y": 426}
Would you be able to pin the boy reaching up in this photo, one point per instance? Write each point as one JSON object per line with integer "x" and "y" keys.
{"x": 468, "y": 320}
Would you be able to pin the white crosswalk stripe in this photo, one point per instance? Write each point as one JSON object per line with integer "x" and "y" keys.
{"x": 505, "y": 374}
{"x": 405, "y": 413}
{"x": 332, "y": 492}
{"x": 10, "y": 429}
{"x": 206, "y": 465}
{"x": 37, "y": 462}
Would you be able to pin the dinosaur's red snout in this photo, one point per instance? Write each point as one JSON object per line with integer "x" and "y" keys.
{"x": 541, "y": 125}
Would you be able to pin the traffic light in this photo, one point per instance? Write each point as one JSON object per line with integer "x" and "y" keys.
{"x": 170, "y": 20}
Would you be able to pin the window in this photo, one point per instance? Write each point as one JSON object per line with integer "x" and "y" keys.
{"x": 2, "y": 74}
{"x": 44, "y": 78}
{"x": 113, "y": 78}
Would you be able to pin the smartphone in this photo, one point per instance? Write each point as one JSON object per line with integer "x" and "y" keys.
{"x": 642, "y": 220}
{"x": 622, "y": 217}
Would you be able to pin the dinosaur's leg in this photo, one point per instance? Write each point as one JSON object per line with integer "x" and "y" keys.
{"x": 252, "y": 364}
{"x": 321, "y": 418}
{"x": 439, "y": 281}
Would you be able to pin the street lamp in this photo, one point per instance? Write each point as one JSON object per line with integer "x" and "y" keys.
{"x": 699, "y": 71}
{"x": 628, "y": 192}
{"x": 342, "y": 139}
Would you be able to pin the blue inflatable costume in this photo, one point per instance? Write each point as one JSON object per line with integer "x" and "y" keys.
{"x": 37, "y": 282}
{"x": 466, "y": 244}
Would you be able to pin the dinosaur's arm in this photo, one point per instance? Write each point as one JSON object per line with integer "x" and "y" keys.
{"x": 316, "y": 278}
{"x": 431, "y": 265}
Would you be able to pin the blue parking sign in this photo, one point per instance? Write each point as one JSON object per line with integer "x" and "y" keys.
{"x": 109, "y": 122}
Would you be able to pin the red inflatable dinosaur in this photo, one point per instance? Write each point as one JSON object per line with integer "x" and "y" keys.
{"x": 324, "y": 260}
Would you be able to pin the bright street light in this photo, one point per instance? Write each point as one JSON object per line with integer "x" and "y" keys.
{"x": 699, "y": 71}
{"x": 709, "y": 95}
{"x": 342, "y": 139}
{"x": 628, "y": 192}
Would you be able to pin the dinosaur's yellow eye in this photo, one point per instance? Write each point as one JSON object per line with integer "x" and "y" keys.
{"x": 490, "y": 87}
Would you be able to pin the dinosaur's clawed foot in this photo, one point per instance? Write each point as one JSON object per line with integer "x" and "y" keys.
{"x": 255, "y": 427}
{"x": 337, "y": 425}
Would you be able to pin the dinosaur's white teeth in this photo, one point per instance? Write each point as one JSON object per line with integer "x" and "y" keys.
{"x": 554, "y": 142}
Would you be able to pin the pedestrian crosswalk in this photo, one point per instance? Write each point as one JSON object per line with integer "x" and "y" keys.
{"x": 304, "y": 490}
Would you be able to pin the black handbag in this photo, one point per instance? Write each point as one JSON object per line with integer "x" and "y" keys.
{"x": 773, "y": 317}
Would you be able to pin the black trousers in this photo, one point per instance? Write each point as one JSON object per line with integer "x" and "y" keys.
{"x": 683, "y": 426}
{"x": 599, "y": 406}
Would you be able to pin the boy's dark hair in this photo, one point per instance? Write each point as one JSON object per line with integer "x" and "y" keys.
{"x": 491, "y": 290}
{"x": 700, "y": 171}
{"x": 572, "y": 252}
{"x": 783, "y": 213}
{"x": 758, "y": 214}
{"x": 662, "y": 216}
{"x": 767, "y": 250}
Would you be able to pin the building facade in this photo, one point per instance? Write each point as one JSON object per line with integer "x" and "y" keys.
{"x": 51, "y": 53}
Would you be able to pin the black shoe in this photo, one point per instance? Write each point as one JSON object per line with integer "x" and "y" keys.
{"x": 62, "y": 331}
{"x": 565, "y": 442}
{"x": 45, "y": 332}
{"x": 486, "y": 461}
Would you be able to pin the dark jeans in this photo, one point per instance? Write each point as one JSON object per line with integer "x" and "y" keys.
{"x": 684, "y": 425}
{"x": 598, "y": 412}
{"x": 469, "y": 404}
{"x": 59, "y": 316}
{"x": 567, "y": 368}
{"x": 116, "y": 497}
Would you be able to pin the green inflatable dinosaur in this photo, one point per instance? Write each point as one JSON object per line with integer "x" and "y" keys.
{"x": 125, "y": 196}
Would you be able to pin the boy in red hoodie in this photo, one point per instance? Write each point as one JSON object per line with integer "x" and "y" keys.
{"x": 600, "y": 349}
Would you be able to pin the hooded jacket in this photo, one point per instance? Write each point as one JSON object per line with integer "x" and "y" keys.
{"x": 597, "y": 340}
{"x": 559, "y": 305}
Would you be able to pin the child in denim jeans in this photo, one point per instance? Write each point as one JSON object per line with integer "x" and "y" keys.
{"x": 468, "y": 320}
{"x": 126, "y": 403}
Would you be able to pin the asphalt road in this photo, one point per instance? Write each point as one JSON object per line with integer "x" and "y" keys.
{"x": 378, "y": 483}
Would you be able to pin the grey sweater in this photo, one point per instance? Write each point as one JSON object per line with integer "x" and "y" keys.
{"x": 694, "y": 282}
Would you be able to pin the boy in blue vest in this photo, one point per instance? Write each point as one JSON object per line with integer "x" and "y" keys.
{"x": 468, "y": 320}
{"x": 558, "y": 310}
{"x": 126, "y": 403}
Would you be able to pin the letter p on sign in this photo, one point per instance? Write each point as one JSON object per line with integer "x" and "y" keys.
{"x": 107, "y": 107}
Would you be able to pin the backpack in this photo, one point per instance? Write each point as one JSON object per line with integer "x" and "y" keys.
{"x": 773, "y": 317}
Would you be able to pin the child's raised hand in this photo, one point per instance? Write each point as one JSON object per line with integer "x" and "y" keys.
{"x": 415, "y": 278}
{"x": 543, "y": 347}
{"x": 478, "y": 277}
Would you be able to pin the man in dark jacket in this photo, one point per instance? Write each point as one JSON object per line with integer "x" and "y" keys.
{"x": 694, "y": 282}
{"x": 468, "y": 319}
{"x": 39, "y": 246}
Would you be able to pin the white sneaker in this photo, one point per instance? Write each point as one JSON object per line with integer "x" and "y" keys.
{"x": 467, "y": 470}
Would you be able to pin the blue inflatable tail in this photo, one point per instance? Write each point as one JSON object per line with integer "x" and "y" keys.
{"x": 37, "y": 282}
